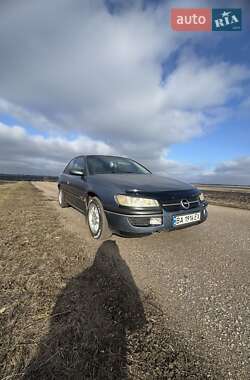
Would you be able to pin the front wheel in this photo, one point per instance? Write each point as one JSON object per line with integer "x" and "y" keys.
{"x": 97, "y": 221}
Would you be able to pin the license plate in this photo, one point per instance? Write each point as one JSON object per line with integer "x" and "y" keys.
{"x": 186, "y": 219}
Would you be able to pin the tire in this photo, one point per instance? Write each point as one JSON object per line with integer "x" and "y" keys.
{"x": 97, "y": 221}
{"x": 61, "y": 199}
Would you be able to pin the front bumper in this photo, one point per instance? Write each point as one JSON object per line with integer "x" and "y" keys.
{"x": 121, "y": 223}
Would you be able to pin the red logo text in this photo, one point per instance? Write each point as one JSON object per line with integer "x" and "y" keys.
{"x": 191, "y": 19}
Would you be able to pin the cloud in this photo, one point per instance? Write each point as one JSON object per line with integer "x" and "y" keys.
{"x": 36, "y": 154}
{"x": 29, "y": 118}
{"x": 29, "y": 154}
{"x": 209, "y": 86}
{"x": 230, "y": 172}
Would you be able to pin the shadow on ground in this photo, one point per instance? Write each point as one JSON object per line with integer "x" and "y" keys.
{"x": 87, "y": 335}
{"x": 102, "y": 328}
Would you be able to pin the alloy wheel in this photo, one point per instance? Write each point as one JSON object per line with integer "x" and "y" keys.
{"x": 94, "y": 218}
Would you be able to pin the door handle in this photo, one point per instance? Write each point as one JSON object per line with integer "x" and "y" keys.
{"x": 67, "y": 182}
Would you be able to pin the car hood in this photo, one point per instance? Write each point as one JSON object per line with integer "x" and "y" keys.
{"x": 142, "y": 182}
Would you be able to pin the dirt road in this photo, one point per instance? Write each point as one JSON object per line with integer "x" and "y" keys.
{"x": 200, "y": 276}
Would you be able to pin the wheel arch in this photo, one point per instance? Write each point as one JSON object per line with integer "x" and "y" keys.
{"x": 104, "y": 231}
{"x": 91, "y": 194}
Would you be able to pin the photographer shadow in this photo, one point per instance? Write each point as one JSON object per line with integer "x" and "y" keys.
{"x": 89, "y": 323}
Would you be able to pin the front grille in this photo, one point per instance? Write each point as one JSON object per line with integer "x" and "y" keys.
{"x": 178, "y": 207}
{"x": 171, "y": 200}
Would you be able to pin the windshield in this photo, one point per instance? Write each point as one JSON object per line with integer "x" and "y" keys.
{"x": 114, "y": 165}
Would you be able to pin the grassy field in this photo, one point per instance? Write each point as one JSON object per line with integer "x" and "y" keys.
{"x": 238, "y": 197}
{"x": 65, "y": 315}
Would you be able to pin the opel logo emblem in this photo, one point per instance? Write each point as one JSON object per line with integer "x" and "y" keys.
{"x": 185, "y": 204}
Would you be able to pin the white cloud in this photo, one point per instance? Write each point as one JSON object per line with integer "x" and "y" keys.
{"x": 30, "y": 118}
{"x": 200, "y": 84}
{"x": 230, "y": 172}
{"x": 36, "y": 154}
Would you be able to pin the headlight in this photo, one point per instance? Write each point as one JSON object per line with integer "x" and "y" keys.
{"x": 201, "y": 196}
{"x": 124, "y": 200}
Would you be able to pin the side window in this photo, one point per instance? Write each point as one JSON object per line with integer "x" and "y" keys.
{"x": 78, "y": 163}
{"x": 69, "y": 167}
{"x": 75, "y": 164}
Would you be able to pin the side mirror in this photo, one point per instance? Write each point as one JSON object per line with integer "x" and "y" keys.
{"x": 77, "y": 172}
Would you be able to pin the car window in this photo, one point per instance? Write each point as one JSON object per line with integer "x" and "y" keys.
{"x": 69, "y": 167}
{"x": 114, "y": 165}
{"x": 75, "y": 164}
{"x": 98, "y": 166}
{"x": 78, "y": 163}
{"x": 125, "y": 167}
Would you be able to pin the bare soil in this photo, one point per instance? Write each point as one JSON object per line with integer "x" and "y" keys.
{"x": 66, "y": 313}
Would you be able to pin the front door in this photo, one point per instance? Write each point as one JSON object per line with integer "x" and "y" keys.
{"x": 78, "y": 184}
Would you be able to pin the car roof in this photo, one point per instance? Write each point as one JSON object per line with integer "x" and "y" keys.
{"x": 98, "y": 155}
{"x": 104, "y": 155}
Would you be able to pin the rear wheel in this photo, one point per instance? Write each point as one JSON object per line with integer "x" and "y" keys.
{"x": 97, "y": 221}
{"x": 61, "y": 199}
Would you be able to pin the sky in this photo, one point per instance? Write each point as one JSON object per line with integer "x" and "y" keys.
{"x": 111, "y": 77}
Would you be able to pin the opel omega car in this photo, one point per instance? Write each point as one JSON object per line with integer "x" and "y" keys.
{"x": 119, "y": 195}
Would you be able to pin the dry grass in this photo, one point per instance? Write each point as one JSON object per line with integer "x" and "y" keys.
{"x": 62, "y": 318}
{"x": 227, "y": 197}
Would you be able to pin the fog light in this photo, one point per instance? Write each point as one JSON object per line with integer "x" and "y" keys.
{"x": 155, "y": 221}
